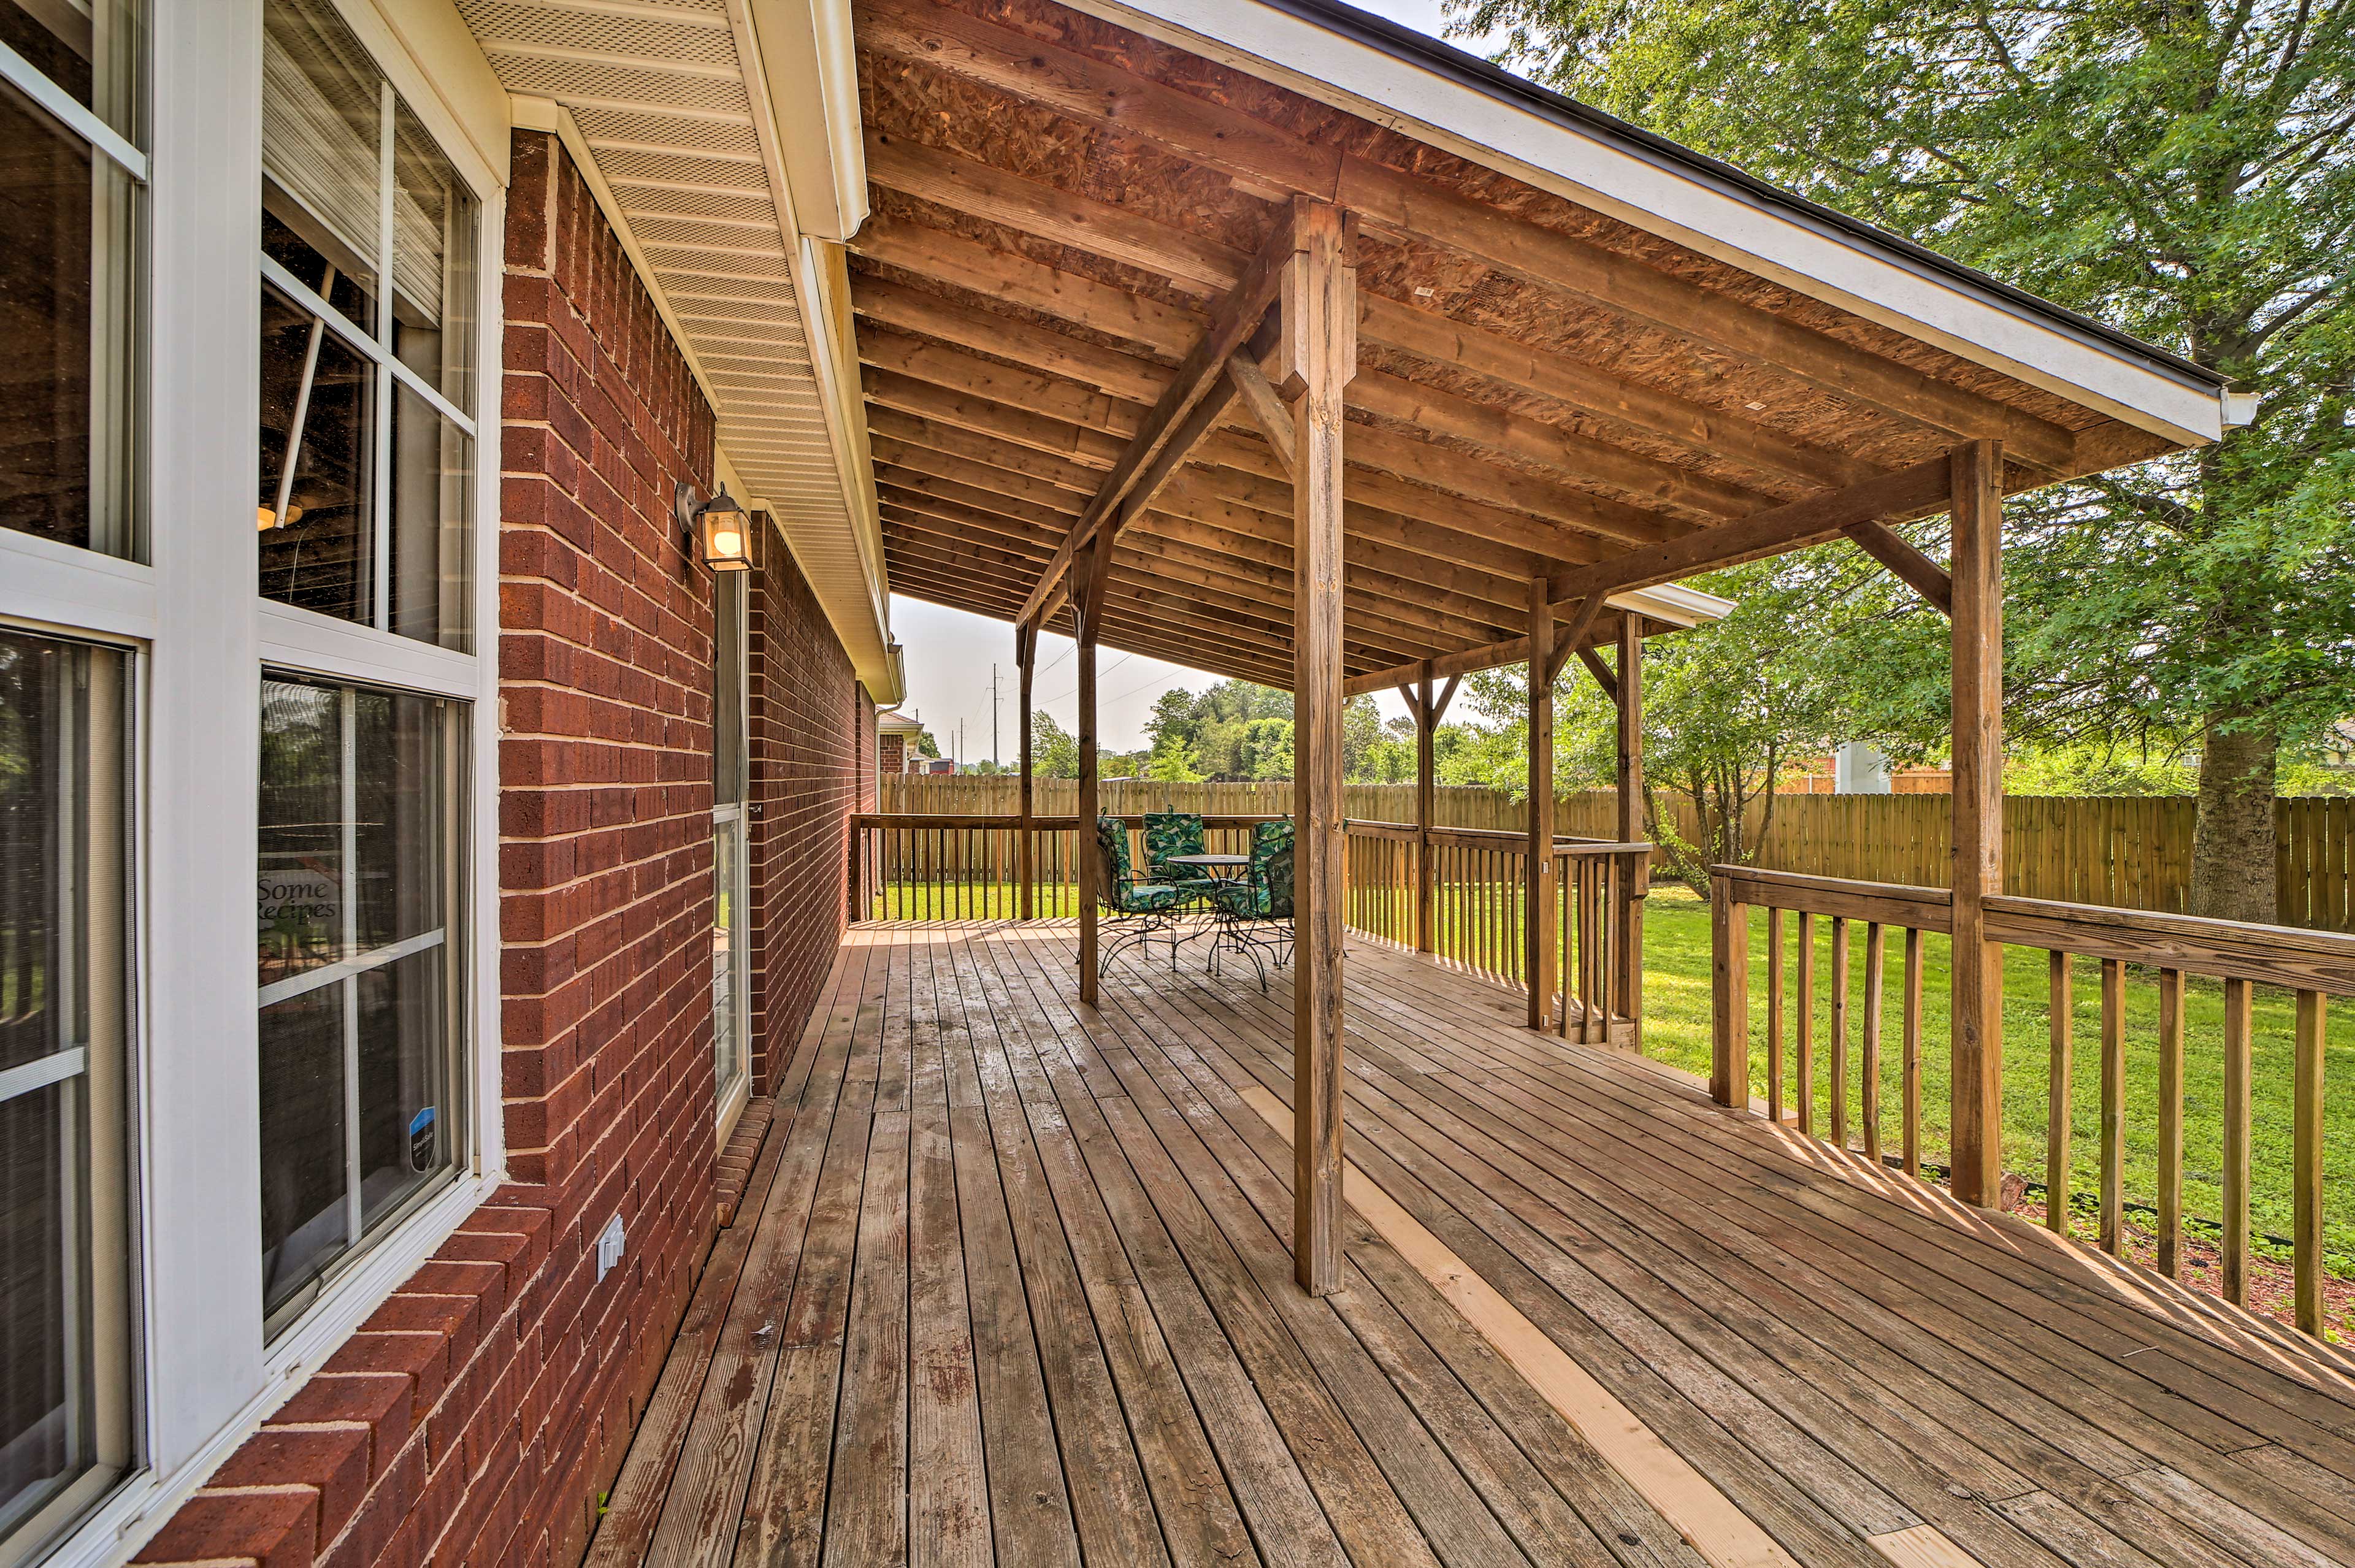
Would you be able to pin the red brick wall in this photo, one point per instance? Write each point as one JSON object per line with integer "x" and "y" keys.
{"x": 813, "y": 743}
{"x": 477, "y": 1414}
{"x": 892, "y": 755}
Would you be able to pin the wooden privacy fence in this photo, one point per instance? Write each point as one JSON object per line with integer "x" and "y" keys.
{"x": 2119, "y": 852}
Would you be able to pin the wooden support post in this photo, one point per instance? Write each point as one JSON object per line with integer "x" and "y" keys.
{"x": 1025, "y": 654}
{"x": 1537, "y": 906}
{"x": 1319, "y": 354}
{"x": 1087, "y": 609}
{"x": 1638, "y": 883}
{"x": 1976, "y": 1014}
{"x": 1426, "y": 724}
{"x": 1729, "y": 1075}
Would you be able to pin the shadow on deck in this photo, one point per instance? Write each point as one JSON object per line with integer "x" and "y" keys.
{"x": 1011, "y": 1283}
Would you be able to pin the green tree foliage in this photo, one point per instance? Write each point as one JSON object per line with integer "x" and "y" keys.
{"x": 1172, "y": 760}
{"x": 1054, "y": 750}
{"x": 1239, "y": 730}
{"x": 1728, "y": 707}
{"x": 2181, "y": 169}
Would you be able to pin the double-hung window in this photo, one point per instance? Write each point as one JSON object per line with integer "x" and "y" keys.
{"x": 355, "y": 917}
{"x": 364, "y": 471}
{"x": 65, "y": 1310}
{"x": 72, "y": 192}
{"x": 368, "y": 267}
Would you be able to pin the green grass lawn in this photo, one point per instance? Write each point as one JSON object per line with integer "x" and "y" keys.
{"x": 1677, "y": 1030}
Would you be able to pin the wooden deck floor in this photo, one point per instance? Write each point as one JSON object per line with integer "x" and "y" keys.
{"x": 1018, "y": 1290}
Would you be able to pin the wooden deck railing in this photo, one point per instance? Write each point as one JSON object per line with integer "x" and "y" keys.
{"x": 946, "y": 866}
{"x": 2127, "y": 945}
{"x": 943, "y": 866}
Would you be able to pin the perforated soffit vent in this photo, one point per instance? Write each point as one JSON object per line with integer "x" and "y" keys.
{"x": 657, "y": 92}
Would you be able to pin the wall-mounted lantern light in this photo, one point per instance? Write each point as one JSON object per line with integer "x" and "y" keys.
{"x": 716, "y": 531}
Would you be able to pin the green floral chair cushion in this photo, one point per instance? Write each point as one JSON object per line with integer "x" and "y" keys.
{"x": 1260, "y": 893}
{"x": 1276, "y": 895}
{"x": 1123, "y": 894}
{"x": 1169, "y": 833}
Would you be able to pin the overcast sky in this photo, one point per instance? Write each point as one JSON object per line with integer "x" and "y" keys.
{"x": 951, "y": 653}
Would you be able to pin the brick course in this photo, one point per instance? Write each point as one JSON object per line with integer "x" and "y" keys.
{"x": 477, "y": 1414}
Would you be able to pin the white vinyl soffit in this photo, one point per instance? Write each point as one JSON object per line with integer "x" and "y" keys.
{"x": 658, "y": 95}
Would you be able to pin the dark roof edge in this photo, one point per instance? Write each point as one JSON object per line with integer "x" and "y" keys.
{"x": 1445, "y": 58}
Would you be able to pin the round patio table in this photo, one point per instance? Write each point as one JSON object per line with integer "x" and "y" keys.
{"x": 1220, "y": 868}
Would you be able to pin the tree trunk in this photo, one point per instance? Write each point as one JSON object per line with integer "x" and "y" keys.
{"x": 2232, "y": 848}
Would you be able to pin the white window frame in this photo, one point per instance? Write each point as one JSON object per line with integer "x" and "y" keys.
{"x": 49, "y": 588}
{"x": 120, "y": 1141}
{"x": 200, "y": 638}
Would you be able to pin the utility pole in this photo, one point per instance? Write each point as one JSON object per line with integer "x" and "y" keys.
{"x": 994, "y": 763}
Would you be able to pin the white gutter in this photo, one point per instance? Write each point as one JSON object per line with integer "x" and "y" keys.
{"x": 1679, "y": 606}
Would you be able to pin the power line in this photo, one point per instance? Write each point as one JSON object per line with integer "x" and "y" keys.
{"x": 1133, "y": 691}
{"x": 1100, "y": 675}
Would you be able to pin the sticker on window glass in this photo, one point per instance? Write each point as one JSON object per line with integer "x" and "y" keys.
{"x": 297, "y": 904}
{"x": 420, "y": 1139}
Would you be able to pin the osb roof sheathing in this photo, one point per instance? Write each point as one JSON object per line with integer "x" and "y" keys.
{"x": 904, "y": 101}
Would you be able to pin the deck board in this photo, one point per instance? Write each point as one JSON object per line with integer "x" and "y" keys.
{"x": 1019, "y": 1290}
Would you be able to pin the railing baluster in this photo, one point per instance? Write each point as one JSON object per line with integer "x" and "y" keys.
{"x": 2306, "y": 1162}
{"x": 1775, "y": 1016}
{"x": 1730, "y": 973}
{"x": 1804, "y": 1040}
{"x": 1598, "y": 880}
{"x": 1584, "y": 978}
{"x": 1839, "y": 1032}
{"x": 2114, "y": 1106}
{"x": 1910, "y": 1087}
{"x": 1569, "y": 872}
{"x": 1869, "y": 1058}
{"x": 2061, "y": 1008}
{"x": 2171, "y": 1122}
{"x": 1597, "y": 1029}
{"x": 1606, "y": 971}
{"x": 2236, "y": 1141}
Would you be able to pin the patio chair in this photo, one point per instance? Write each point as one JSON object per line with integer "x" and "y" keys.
{"x": 1256, "y": 909}
{"x": 1139, "y": 911}
{"x": 1169, "y": 833}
